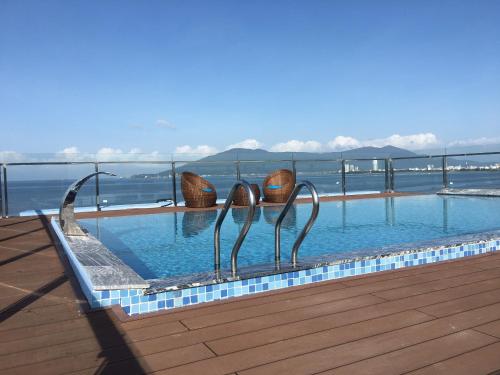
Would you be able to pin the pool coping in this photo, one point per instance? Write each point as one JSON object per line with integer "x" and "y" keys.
{"x": 96, "y": 265}
{"x": 470, "y": 192}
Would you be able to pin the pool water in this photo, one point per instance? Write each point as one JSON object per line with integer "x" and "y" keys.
{"x": 175, "y": 244}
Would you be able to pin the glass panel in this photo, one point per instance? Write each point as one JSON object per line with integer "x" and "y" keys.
{"x": 365, "y": 176}
{"x": 418, "y": 175}
{"x": 33, "y": 188}
{"x": 325, "y": 175}
{"x": 136, "y": 184}
{"x": 479, "y": 172}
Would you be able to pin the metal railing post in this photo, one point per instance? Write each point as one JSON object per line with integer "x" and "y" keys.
{"x": 387, "y": 180}
{"x": 391, "y": 168}
{"x": 294, "y": 169}
{"x": 174, "y": 185}
{"x": 343, "y": 177}
{"x": 3, "y": 178}
{"x": 238, "y": 173}
{"x": 445, "y": 171}
{"x": 97, "y": 190}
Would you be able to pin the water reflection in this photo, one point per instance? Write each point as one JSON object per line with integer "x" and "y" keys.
{"x": 195, "y": 222}
{"x": 344, "y": 215}
{"x": 445, "y": 215}
{"x": 271, "y": 214}
{"x": 240, "y": 215}
{"x": 390, "y": 211}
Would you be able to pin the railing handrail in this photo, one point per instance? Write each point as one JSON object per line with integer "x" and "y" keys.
{"x": 305, "y": 230}
{"x": 243, "y": 232}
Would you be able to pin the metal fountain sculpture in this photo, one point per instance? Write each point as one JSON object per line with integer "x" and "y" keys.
{"x": 67, "y": 209}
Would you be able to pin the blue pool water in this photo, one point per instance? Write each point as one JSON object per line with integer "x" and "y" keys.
{"x": 174, "y": 244}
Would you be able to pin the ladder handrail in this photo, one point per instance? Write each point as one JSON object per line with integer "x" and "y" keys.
{"x": 243, "y": 232}
{"x": 305, "y": 230}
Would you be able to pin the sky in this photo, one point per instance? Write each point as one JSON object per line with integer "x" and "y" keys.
{"x": 160, "y": 77}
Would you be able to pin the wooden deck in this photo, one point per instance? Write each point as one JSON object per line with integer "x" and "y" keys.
{"x": 436, "y": 319}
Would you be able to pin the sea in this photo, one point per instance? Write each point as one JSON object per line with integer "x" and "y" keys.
{"x": 26, "y": 196}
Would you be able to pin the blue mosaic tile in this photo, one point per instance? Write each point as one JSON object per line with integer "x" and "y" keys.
{"x": 134, "y": 302}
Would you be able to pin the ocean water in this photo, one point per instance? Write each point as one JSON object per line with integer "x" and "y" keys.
{"x": 47, "y": 194}
{"x": 174, "y": 244}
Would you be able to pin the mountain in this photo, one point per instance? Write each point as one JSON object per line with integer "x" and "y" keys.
{"x": 243, "y": 154}
{"x": 223, "y": 163}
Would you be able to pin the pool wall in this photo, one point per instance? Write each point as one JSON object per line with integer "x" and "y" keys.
{"x": 137, "y": 301}
{"x": 96, "y": 298}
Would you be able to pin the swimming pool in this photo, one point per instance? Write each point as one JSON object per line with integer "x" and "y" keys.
{"x": 148, "y": 263}
{"x": 179, "y": 244}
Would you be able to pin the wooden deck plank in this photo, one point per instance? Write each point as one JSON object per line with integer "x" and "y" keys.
{"x": 492, "y": 328}
{"x": 352, "y": 352}
{"x": 481, "y": 361}
{"x": 463, "y": 304}
{"x": 414, "y": 357}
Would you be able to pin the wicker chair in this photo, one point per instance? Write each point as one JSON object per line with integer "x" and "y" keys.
{"x": 241, "y": 196}
{"x": 197, "y": 192}
{"x": 278, "y": 186}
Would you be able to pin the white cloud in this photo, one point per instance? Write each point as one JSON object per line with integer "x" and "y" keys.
{"x": 411, "y": 142}
{"x": 200, "y": 150}
{"x": 134, "y": 154}
{"x": 12, "y": 157}
{"x": 68, "y": 152}
{"x": 251, "y": 144}
{"x": 297, "y": 146}
{"x": 476, "y": 142}
{"x": 164, "y": 124}
{"x": 341, "y": 143}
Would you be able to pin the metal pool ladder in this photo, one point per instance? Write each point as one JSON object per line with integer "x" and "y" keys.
{"x": 243, "y": 232}
{"x": 305, "y": 230}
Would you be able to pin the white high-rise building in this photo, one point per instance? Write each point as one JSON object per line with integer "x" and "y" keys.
{"x": 375, "y": 165}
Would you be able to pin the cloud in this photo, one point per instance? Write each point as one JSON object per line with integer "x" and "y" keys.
{"x": 249, "y": 143}
{"x": 12, "y": 157}
{"x": 68, "y": 152}
{"x": 200, "y": 150}
{"x": 341, "y": 143}
{"x": 134, "y": 154}
{"x": 412, "y": 142}
{"x": 297, "y": 146}
{"x": 164, "y": 124}
{"x": 476, "y": 142}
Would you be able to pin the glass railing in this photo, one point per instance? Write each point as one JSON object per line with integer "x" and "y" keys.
{"x": 36, "y": 184}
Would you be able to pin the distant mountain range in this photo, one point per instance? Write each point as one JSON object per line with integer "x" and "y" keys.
{"x": 223, "y": 162}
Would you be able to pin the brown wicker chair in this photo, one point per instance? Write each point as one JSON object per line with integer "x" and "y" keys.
{"x": 241, "y": 196}
{"x": 278, "y": 186}
{"x": 197, "y": 191}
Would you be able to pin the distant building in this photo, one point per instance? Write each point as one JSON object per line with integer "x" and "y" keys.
{"x": 375, "y": 165}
